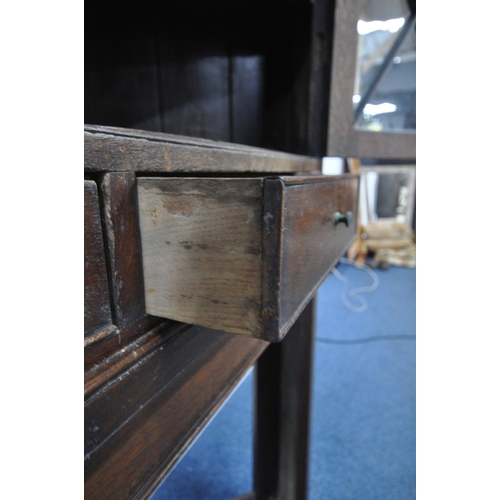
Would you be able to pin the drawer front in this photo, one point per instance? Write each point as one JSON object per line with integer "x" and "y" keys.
{"x": 241, "y": 255}
{"x": 312, "y": 241}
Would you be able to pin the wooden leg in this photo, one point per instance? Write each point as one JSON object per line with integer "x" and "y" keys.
{"x": 282, "y": 412}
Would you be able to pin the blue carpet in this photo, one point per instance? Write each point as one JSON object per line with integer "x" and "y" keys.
{"x": 363, "y": 404}
{"x": 219, "y": 464}
{"x": 363, "y": 409}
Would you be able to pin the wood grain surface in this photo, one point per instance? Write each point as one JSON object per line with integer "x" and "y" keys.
{"x": 228, "y": 71}
{"x": 141, "y": 422}
{"x": 312, "y": 244}
{"x": 282, "y": 413}
{"x": 199, "y": 68}
{"x": 319, "y": 81}
{"x": 97, "y": 314}
{"x": 123, "y": 349}
{"x": 241, "y": 255}
{"x": 202, "y": 251}
{"x": 247, "y": 86}
{"x": 272, "y": 255}
{"x": 116, "y": 149}
{"x": 99, "y": 348}
{"x": 123, "y": 247}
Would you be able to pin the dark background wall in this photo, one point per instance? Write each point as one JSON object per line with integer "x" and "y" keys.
{"x": 231, "y": 71}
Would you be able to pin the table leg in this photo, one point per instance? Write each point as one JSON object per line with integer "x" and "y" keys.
{"x": 282, "y": 413}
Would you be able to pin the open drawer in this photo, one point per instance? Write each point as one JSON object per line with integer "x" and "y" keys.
{"x": 242, "y": 255}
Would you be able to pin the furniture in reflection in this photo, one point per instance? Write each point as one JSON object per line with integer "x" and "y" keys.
{"x": 386, "y": 215}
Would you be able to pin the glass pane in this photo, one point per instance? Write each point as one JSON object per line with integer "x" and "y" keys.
{"x": 392, "y": 196}
{"x": 387, "y": 195}
{"x": 384, "y": 96}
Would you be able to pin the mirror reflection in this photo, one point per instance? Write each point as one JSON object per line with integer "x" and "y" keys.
{"x": 384, "y": 94}
{"x": 387, "y": 194}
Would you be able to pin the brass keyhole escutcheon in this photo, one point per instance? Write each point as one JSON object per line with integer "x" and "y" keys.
{"x": 340, "y": 218}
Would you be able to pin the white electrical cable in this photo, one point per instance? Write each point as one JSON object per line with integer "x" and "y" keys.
{"x": 353, "y": 293}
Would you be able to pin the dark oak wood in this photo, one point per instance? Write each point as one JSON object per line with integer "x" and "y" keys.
{"x": 198, "y": 68}
{"x": 99, "y": 347}
{"x": 113, "y": 149}
{"x": 99, "y": 336}
{"x": 207, "y": 69}
{"x": 312, "y": 243}
{"x": 236, "y": 72}
{"x": 287, "y": 71}
{"x": 97, "y": 309}
{"x": 319, "y": 82}
{"x": 282, "y": 413}
{"x": 105, "y": 365}
{"x": 121, "y": 81}
{"x": 272, "y": 256}
{"x": 247, "y": 110}
{"x": 296, "y": 405}
{"x": 133, "y": 441}
{"x": 151, "y": 365}
{"x": 119, "y": 198}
